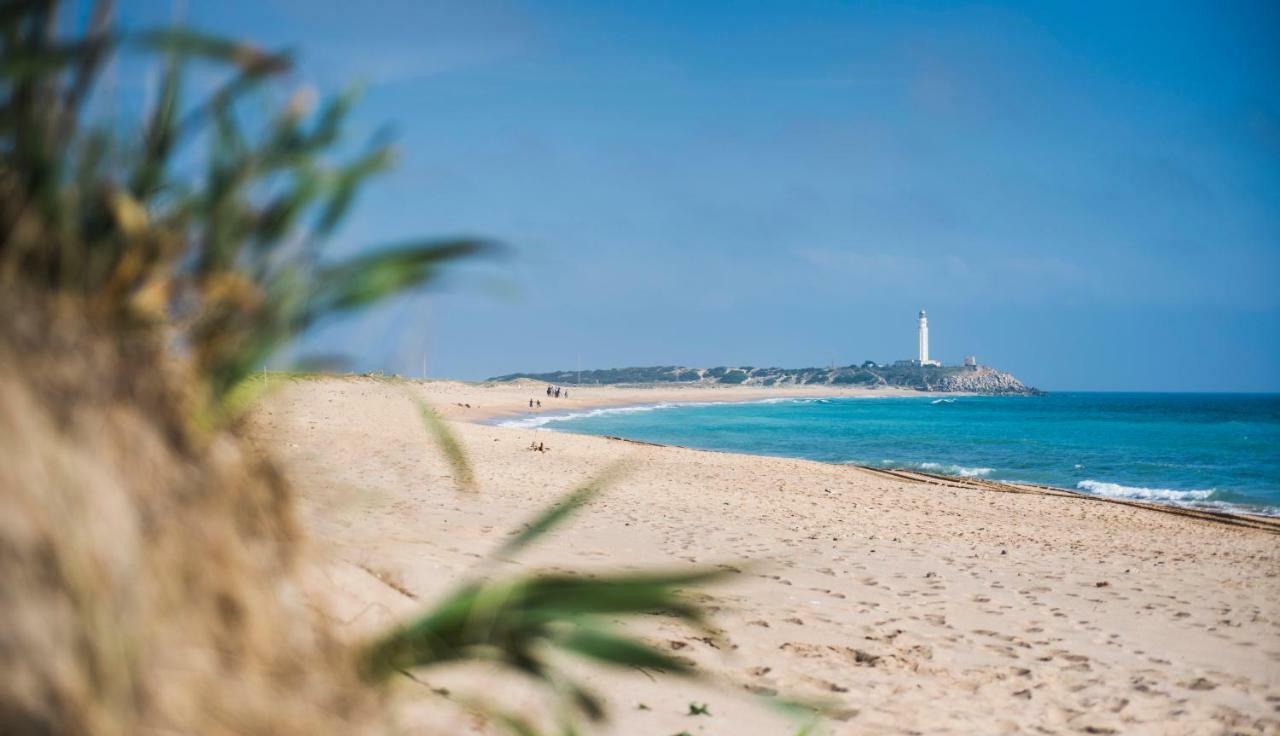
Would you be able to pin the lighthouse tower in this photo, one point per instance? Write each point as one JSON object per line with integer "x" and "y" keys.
{"x": 924, "y": 338}
{"x": 924, "y": 341}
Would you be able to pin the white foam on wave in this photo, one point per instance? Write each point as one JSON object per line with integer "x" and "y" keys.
{"x": 1235, "y": 508}
{"x": 541, "y": 420}
{"x": 940, "y": 468}
{"x": 1115, "y": 490}
{"x": 959, "y": 470}
{"x": 943, "y": 401}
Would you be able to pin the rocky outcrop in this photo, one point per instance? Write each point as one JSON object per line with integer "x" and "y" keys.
{"x": 982, "y": 380}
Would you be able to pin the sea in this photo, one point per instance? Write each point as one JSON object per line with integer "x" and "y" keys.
{"x": 1216, "y": 451}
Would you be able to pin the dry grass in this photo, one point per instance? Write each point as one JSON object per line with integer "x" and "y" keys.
{"x": 147, "y": 557}
{"x": 148, "y": 568}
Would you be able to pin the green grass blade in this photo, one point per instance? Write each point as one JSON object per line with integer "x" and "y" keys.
{"x": 160, "y": 135}
{"x": 448, "y": 444}
{"x": 366, "y": 279}
{"x": 567, "y": 595}
{"x": 553, "y": 516}
{"x": 604, "y": 646}
{"x": 186, "y": 42}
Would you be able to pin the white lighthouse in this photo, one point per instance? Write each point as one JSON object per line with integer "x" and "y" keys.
{"x": 924, "y": 341}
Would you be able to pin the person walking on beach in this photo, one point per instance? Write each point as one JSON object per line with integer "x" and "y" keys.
{"x": 539, "y": 404}
{"x": 530, "y": 403}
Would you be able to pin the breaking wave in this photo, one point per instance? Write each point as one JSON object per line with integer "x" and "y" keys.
{"x": 541, "y": 420}
{"x": 959, "y": 470}
{"x": 939, "y": 468}
{"x": 1202, "y": 498}
{"x": 1115, "y": 490}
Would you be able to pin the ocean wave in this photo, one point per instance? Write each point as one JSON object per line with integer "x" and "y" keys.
{"x": 1201, "y": 498}
{"x": 959, "y": 470}
{"x": 787, "y": 400}
{"x": 1239, "y": 508}
{"x": 939, "y": 468}
{"x": 540, "y": 420}
{"x": 1115, "y": 490}
{"x": 943, "y": 401}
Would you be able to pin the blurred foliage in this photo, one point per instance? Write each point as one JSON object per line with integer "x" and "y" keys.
{"x": 205, "y": 227}
{"x": 206, "y": 220}
{"x": 448, "y": 444}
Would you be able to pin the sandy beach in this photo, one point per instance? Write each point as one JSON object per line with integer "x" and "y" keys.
{"x": 470, "y": 402}
{"x": 905, "y": 607}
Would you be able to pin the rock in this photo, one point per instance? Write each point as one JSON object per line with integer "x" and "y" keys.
{"x": 982, "y": 380}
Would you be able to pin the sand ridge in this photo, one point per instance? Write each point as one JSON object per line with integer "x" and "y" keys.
{"x": 911, "y": 608}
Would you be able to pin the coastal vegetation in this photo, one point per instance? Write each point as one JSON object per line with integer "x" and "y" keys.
{"x": 903, "y": 374}
{"x": 146, "y": 272}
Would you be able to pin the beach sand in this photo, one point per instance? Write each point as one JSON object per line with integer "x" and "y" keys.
{"x": 906, "y": 607}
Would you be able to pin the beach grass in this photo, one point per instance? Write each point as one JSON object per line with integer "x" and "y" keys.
{"x": 204, "y": 236}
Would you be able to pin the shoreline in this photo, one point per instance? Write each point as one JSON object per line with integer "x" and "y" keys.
{"x": 516, "y": 420}
{"x": 509, "y": 420}
{"x": 912, "y": 603}
{"x": 488, "y": 402}
{"x": 504, "y": 407}
{"x": 1233, "y": 518}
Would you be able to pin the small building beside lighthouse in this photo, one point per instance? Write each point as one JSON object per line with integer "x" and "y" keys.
{"x": 923, "y": 336}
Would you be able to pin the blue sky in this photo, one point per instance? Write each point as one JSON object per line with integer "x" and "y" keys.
{"x": 1085, "y": 194}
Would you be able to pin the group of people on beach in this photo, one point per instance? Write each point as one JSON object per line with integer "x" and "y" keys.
{"x": 553, "y": 391}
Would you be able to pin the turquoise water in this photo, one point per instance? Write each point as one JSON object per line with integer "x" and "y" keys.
{"x": 1209, "y": 450}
